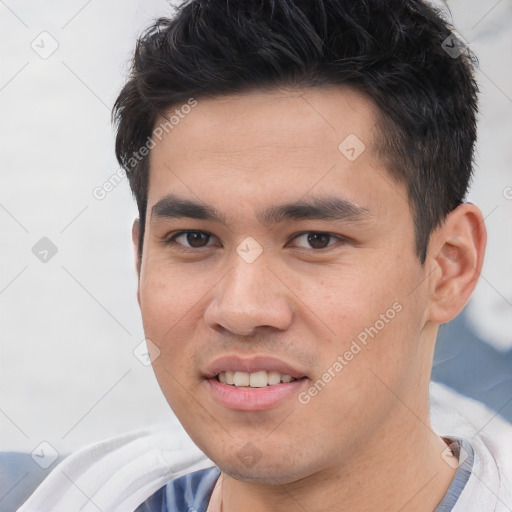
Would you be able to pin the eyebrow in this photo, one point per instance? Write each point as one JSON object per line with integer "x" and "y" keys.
{"x": 172, "y": 206}
{"x": 319, "y": 208}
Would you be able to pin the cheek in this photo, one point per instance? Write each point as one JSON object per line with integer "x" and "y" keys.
{"x": 168, "y": 300}
{"x": 170, "y": 308}
{"x": 362, "y": 369}
{"x": 348, "y": 299}
{"x": 373, "y": 318}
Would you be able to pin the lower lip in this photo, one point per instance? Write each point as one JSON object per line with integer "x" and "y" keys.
{"x": 253, "y": 399}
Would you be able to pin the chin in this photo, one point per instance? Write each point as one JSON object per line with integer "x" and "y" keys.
{"x": 264, "y": 474}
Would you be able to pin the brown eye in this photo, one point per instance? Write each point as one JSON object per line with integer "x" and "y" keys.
{"x": 198, "y": 238}
{"x": 193, "y": 239}
{"x": 319, "y": 240}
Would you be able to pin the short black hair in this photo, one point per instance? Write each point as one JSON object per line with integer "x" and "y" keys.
{"x": 397, "y": 52}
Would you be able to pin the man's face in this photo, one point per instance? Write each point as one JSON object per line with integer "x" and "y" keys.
{"x": 271, "y": 252}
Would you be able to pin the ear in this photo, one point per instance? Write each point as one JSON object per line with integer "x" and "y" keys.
{"x": 456, "y": 256}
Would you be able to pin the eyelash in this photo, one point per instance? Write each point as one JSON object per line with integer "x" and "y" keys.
{"x": 172, "y": 239}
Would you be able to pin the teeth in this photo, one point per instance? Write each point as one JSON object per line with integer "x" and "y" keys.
{"x": 241, "y": 379}
{"x": 274, "y": 378}
{"x": 259, "y": 379}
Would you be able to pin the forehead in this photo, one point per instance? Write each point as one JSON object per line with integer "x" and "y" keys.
{"x": 300, "y": 119}
{"x": 268, "y": 145}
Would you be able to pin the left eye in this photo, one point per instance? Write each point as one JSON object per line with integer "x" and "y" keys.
{"x": 193, "y": 239}
{"x": 315, "y": 240}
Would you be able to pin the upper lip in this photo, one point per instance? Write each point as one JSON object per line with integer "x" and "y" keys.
{"x": 251, "y": 364}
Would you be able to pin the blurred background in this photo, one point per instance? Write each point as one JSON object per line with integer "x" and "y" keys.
{"x": 70, "y": 324}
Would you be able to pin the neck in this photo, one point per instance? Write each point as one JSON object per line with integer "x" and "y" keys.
{"x": 400, "y": 468}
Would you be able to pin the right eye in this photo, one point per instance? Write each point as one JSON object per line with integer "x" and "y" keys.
{"x": 192, "y": 239}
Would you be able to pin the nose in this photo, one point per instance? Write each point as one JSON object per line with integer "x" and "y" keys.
{"x": 249, "y": 298}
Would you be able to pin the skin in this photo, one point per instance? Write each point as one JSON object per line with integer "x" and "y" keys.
{"x": 364, "y": 442}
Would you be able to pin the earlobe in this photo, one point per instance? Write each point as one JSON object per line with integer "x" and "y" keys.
{"x": 458, "y": 252}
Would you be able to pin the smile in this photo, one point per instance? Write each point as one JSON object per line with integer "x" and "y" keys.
{"x": 260, "y": 379}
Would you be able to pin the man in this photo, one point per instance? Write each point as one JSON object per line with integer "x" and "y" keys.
{"x": 300, "y": 170}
